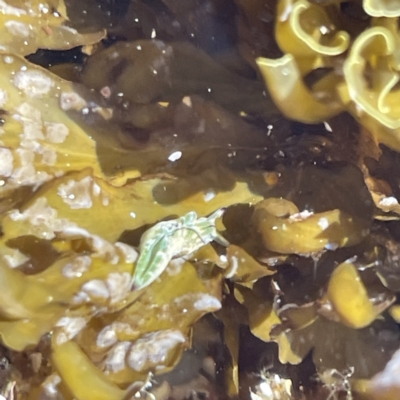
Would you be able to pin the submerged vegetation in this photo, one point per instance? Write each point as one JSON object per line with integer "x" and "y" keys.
{"x": 199, "y": 199}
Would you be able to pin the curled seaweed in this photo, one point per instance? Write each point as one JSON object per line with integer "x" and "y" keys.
{"x": 349, "y": 297}
{"x": 286, "y": 230}
{"x": 375, "y": 100}
{"x": 382, "y": 8}
{"x": 306, "y": 31}
{"x": 88, "y": 180}
{"x": 85, "y": 380}
{"x": 284, "y": 81}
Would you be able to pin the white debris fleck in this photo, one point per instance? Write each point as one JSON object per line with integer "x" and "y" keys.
{"x": 301, "y": 216}
{"x": 18, "y": 28}
{"x": 106, "y": 337}
{"x": 152, "y": 349}
{"x": 6, "y": 162}
{"x": 33, "y": 83}
{"x": 328, "y": 127}
{"x": 8, "y": 59}
{"x": 70, "y": 328}
{"x": 115, "y": 360}
{"x": 56, "y": 132}
{"x": 331, "y": 246}
{"x": 187, "y": 101}
{"x": 3, "y": 97}
{"x": 175, "y": 156}
{"x": 323, "y": 223}
{"x": 77, "y": 194}
{"x": 77, "y": 267}
{"x": 388, "y": 201}
{"x": 207, "y": 302}
{"x": 119, "y": 286}
{"x": 96, "y": 288}
{"x": 209, "y": 195}
{"x": 96, "y": 189}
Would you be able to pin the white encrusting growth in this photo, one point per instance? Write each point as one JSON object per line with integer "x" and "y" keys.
{"x": 119, "y": 286}
{"x": 153, "y": 348}
{"x": 33, "y": 149}
{"x": 115, "y": 288}
{"x": 108, "y": 336}
{"x": 33, "y": 83}
{"x": 3, "y": 97}
{"x": 207, "y": 303}
{"x": 71, "y": 101}
{"x": 128, "y": 252}
{"x": 14, "y": 258}
{"x": 77, "y": 194}
{"x": 17, "y": 28}
{"x": 200, "y": 301}
{"x": 56, "y": 132}
{"x": 77, "y": 267}
{"x": 115, "y": 360}
{"x": 6, "y": 162}
{"x": 70, "y": 327}
{"x": 46, "y": 225}
{"x": 150, "y": 350}
{"x": 5, "y": 8}
{"x": 96, "y": 289}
